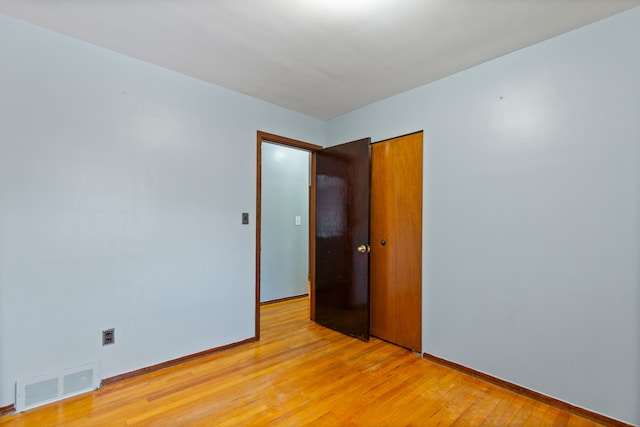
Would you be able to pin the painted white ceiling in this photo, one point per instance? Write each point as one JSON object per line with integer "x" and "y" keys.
{"x": 319, "y": 57}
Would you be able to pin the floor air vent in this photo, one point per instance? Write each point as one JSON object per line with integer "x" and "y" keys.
{"x": 56, "y": 386}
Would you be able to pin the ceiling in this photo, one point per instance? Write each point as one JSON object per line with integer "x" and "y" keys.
{"x": 323, "y": 58}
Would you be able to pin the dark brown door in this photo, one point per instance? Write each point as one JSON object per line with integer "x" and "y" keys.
{"x": 342, "y": 238}
{"x": 396, "y": 240}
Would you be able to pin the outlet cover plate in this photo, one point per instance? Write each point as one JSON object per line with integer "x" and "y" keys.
{"x": 109, "y": 336}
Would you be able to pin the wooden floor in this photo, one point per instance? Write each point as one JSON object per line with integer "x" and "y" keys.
{"x": 301, "y": 374}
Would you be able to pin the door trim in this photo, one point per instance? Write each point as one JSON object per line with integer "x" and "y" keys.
{"x": 293, "y": 143}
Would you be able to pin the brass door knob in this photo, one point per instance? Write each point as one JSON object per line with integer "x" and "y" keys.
{"x": 363, "y": 248}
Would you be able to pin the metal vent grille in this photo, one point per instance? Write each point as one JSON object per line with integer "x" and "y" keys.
{"x": 49, "y": 388}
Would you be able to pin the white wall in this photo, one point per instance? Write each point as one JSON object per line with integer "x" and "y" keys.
{"x": 532, "y": 213}
{"x": 284, "y": 254}
{"x": 121, "y": 191}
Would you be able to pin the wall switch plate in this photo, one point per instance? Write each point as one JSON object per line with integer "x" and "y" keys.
{"x": 109, "y": 336}
{"x": 298, "y": 220}
{"x": 245, "y": 218}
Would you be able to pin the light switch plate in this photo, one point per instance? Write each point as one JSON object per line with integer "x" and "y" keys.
{"x": 298, "y": 220}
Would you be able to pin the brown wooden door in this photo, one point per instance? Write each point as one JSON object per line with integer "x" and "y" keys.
{"x": 396, "y": 241}
{"x": 342, "y": 226}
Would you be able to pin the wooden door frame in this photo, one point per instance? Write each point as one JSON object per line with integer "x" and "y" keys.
{"x": 311, "y": 148}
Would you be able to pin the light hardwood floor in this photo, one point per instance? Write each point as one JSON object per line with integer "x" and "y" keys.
{"x": 301, "y": 374}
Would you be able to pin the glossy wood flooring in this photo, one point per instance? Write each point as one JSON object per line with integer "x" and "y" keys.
{"x": 301, "y": 374}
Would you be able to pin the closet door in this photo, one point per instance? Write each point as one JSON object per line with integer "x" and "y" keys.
{"x": 396, "y": 241}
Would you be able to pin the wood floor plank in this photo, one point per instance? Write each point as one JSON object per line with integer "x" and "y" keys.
{"x": 300, "y": 374}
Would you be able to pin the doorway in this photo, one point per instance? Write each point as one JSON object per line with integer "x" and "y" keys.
{"x": 284, "y": 219}
{"x": 264, "y": 137}
{"x": 396, "y": 296}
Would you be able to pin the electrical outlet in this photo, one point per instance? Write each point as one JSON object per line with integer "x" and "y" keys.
{"x": 109, "y": 336}
{"x": 245, "y": 218}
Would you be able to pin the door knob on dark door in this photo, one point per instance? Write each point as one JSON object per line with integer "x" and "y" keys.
{"x": 363, "y": 248}
{"x": 383, "y": 242}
